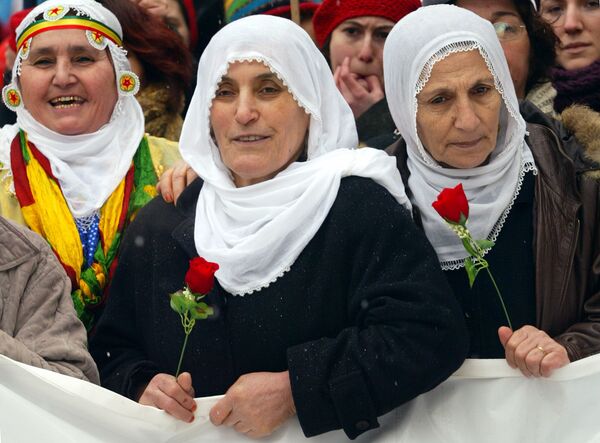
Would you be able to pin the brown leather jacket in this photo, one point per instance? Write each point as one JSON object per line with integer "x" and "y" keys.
{"x": 567, "y": 235}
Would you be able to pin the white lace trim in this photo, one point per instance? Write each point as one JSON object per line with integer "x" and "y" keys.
{"x": 223, "y": 71}
{"x": 263, "y": 285}
{"x": 424, "y": 76}
{"x": 452, "y": 265}
{"x": 85, "y": 223}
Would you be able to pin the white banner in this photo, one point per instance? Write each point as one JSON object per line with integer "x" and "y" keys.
{"x": 484, "y": 401}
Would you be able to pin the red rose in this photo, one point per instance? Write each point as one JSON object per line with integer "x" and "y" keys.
{"x": 200, "y": 277}
{"x": 452, "y": 202}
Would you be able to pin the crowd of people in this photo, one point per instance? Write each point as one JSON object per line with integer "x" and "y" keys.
{"x": 302, "y": 162}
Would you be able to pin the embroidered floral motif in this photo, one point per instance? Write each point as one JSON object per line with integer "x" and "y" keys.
{"x": 129, "y": 83}
{"x": 96, "y": 39}
{"x": 11, "y": 97}
{"x": 55, "y": 13}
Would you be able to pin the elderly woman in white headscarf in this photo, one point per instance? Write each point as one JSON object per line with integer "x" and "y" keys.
{"x": 321, "y": 309}
{"x": 76, "y": 166}
{"x": 451, "y": 95}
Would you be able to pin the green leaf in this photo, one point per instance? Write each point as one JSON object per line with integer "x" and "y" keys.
{"x": 178, "y": 302}
{"x": 472, "y": 271}
{"x": 463, "y": 220}
{"x": 485, "y": 244}
{"x": 467, "y": 244}
{"x": 202, "y": 311}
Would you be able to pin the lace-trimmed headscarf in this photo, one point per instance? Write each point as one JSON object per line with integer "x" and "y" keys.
{"x": 256, "y": 232}
{"x": 413, "y": 47}
{"x": 88, "y": 166}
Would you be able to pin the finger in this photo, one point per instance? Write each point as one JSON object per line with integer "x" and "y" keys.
{"x": 179, "y": 181}
{"x": 533, "y": 361}
{"x": 190, "y": 175}
{"x": 165, "y": 187}
{"x": 336, "y": 75}
{"x": 172, "y": 390}
{"x": 242, "y": 428}
{"x": 552, "y": 361}
{"x": 232, "y": 420}
{"x": 504, "y": 333}
{"x": 528, "y": 355}
{"x": 174, "y": 408}
{"x": 185, "y": 381}
{"x": 513, "y": 342}
{"x": 220, "y": 411}
{"x": 356, "y": 88}
{"x": 345, "y": 91}
{"x": 375, "y": 87}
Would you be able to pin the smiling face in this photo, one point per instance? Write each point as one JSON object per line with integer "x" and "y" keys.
{"x": 459, "y": 111}
{"x": 258, "y": 126}
{"x": 67, "y": 85}
{"x": 516, "y": 50}
{"x": 578, "y": 30}
{"x": 361, "y": 39}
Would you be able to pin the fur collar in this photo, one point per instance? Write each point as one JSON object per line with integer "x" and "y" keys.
{"x": 585, "y": 124}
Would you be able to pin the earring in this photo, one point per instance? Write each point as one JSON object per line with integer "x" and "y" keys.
{"x": 129, "y": 83}
{"x": 12, "y": 97}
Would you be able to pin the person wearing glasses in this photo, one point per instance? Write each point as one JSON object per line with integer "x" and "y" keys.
{"x": 451, "y": 96}
{"x": 527, "y": 41}
{"x": 576, "y": 23}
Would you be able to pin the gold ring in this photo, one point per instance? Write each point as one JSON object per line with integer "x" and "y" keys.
{"x": 541, "y": 349}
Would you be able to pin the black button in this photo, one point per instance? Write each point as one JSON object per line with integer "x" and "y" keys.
{"x": 362, "y": 425}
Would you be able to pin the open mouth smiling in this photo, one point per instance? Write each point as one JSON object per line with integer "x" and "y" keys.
{"x": 69, "y": 101}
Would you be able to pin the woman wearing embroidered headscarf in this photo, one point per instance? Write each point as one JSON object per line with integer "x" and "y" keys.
{"x": 453, "y": 100}
{"x": 320, "y": 307}
{"x": 76, "y": 166}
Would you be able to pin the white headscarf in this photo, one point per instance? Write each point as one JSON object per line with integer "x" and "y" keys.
{"x": 89, "y": 166}
{"x": 412, "y": 48}
{"x": 255, "y": 233}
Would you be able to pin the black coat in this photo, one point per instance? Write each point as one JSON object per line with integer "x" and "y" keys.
{"x": 364, "y": 320}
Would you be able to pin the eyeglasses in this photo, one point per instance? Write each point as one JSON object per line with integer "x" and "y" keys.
{"x": 554, "y": 12}
{"x": 508, "y": 29}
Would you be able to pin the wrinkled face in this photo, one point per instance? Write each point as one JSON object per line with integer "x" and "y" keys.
{"x": 516, "y": 50}
{"x": 361, "y": 39}
{"x": 258, "y": 126}
{"x": 459, "y": 111}
{"x": 67, "y": 85}
{"x": 578, "y": 30}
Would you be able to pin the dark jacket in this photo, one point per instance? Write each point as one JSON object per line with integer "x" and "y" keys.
{"x": 364, "y": 320}
{"x": 375, "y": 127}
{"x": 566, "y": 234}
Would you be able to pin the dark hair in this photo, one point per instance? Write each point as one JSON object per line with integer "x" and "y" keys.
{"x": 160, "y": 50}
{"x": 543, "y": 44}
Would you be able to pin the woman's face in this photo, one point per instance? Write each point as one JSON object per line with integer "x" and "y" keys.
{"x": 360, "y": 39}
{"x": 516, "y": 50}
{"x": 67, "y": 85}
{"x": 459, "y": 111}
{"x": 175, "y": 20}
{"x": 258, "y": 126}
{"x": 577, "y": 26}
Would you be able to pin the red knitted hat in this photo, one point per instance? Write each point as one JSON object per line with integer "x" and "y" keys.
{"x": 14, "y": 21}
{"x": 333, "y": 12}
